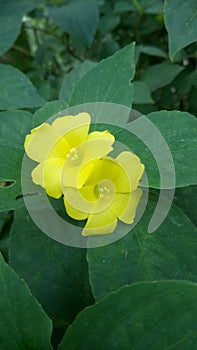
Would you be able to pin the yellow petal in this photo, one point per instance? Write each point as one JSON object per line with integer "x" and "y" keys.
{"x": 128, "y": 215}
{"x": 98, "y": 145}
{"x": 73, "y": 128}
{"x": 48, "y": 175}
{"x": 95, "y": 135}
{"x": 84, "y": 172}
{"x": 101, "y": 223}
{"x": 86, "y": 152}
{"x": 133, "y": 168}
{"x": 89, "y": 193}
{"x": 77, "y": 201}
{"x": 107, "y": 168}
{"x": 44, "y": 142}
{"x": 73, "y": 212}
{"x": 87, "y": 199}
{"x": 38, "y": 175}
{"x": 120, "y": 203}
{"x": 33, "y": 131}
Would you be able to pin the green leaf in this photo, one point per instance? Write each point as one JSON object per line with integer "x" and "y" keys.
{"x": 152, "y": 6}
{"x": 48, "y": 110}
{"x": 124, "y": 6}
{"x": 167, "y": 253}
{"x": 141, "y": 93}
{"x": 147, "y": 315}
{"x": 160, "y": 142}
{"x": 57, "y": 274}
{"x": 185, "y": 198}
{"x": 3, "y": 216}
{"x": 160, "y": 74}
{"x": 181, "y": 138}
{"x": 14, "y": 126}
{"x": 6, "y": 219}
{"x": 11, "y": 15}
{"x": 180, "y": 19}
{"x": 16, "y": 90}
{"x": 151, "y": 51}
{"x": 109, "y": 81}
{"x": 77, "y": 18}
{"x": 147, "y": 6}
{"x": 24, "y": 325}
{"x": 108, "y": 23}
{"x": 72, "y": 79}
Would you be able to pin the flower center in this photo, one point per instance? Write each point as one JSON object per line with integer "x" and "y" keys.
{"x": 73, "y": 156}
{"x": 106, "y": 189}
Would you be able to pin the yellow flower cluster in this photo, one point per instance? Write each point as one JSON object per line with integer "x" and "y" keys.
{"x": 74, "y": 163}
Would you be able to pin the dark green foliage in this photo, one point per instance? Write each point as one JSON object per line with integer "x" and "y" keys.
{"x": 139, "y": 292}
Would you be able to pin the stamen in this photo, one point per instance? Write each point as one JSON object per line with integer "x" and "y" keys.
{"x": 73, "y": 151}
{"x": 104, "y": 191}
{"x": 73, "y": 156}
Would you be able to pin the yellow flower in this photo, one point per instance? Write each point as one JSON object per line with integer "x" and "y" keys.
{"x": 62, "y": 149}
{"x": 74, "y": 162}
{"x": 108, "y": 192}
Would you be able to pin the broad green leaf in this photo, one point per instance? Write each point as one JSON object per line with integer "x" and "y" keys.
{"x": 170, "y": 133}
{"x": 14, "y": 125}
{"x": 24, "y": 325}
{"x": 109, "y": 81}
{"x": 13, "y": 128}
{"x": 141, "y": 93}
{"x": 185, "y": 198}
{"x": 146, "y": 315}
{"x": 72, "y": 79}
{"x": 16, "y": 90}
{"x": 6, "y": 219}
{"x": 147, "y": 6}
{"x": 48, "y": 110}
{"x": 77, "y": 18}
{"x": 151, "y": 51}
{"x": 108, "y": 23}
{"x": 150, "y": 6}
{"x": 3, "y": 216}
{"x": 10, "y": 195}
{"x": 124, "y": 6}
{"x": 160, "y": 74}
{"x": 11, "y": 15}
{"x": 57, "y": 274}
{"x": 180, "y": 19}
{"x": 181, "y": 138}
{"x": 167, "y": 253}
{"x": 109, "y": 47}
